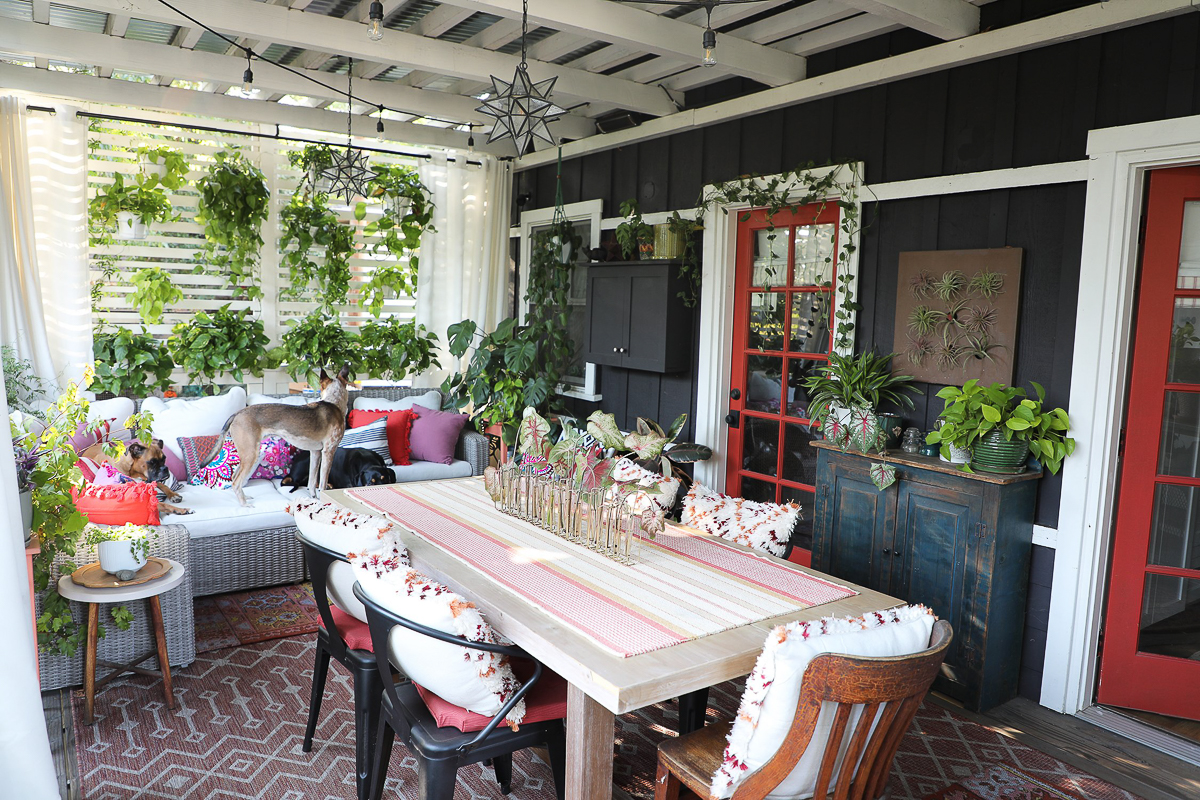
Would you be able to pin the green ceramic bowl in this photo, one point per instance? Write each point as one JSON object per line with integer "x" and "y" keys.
{"x": 993, "y": 454}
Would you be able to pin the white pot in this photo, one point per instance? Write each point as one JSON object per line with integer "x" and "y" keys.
{"x": 129, "y": 226}
{"x": 26, "y": 499}
{"x": 120, "y": 557}
{"x": 158, "y": 170}
{"x": 958, "y": 455}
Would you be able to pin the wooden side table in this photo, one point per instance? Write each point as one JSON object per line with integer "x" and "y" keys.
{"x": 94, "y": 598}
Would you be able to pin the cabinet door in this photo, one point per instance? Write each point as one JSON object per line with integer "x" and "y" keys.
{"x": 608, "y": 317}
{"x": 933, "y": 529}
{"x": 859, "y": 519}
{"x": 646, "y": 338}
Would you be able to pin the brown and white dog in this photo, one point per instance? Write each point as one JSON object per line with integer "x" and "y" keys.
{"x": 142, "y": 462}
{"x": 316, "y": 427}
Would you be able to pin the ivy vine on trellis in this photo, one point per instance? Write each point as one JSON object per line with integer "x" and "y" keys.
{"x": 772, "y": 194}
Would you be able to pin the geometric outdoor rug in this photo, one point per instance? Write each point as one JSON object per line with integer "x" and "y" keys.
{"x": 237, "y": 729}
{"x": 1002, "y": 782}
{"x": 227, "y": 620}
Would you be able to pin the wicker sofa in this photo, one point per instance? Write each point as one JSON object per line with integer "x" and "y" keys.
{"x": 234, "y": 549}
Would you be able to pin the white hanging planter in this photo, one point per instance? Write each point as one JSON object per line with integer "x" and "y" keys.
{"x": 121, "y": 556}
{"x": 398, "y": 206}
{"x": 158, "y": 170}
{"x": 129, "y": 226}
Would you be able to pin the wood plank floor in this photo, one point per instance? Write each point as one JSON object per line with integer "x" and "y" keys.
{"x": 59, "y": 726}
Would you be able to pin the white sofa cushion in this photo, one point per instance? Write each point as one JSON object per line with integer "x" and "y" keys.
{"x": 202, "y": 416}
{"x": 431, "y": 471}
{"x": 290, "y": 400}
{"x": 768, "y": 706}
{"x": 217, "y": 512}
{"x": 431, "y": 399}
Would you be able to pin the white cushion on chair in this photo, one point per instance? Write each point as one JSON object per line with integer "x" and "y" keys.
{"x": 384, "y": 557}
{"x": 203, "y": 416}
{"x": 472, "y": 679}
{"x": 768, "y": 706}
{"x": 763, "y": 526}
{"x": 431, "y": 399}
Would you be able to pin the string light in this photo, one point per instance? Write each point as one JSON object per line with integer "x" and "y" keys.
{"x": 375, "y": 26}
{"x": 471, "y": 139}
{"x": 248, "y": 76}
{"x": 379, "y": 126}
{"x": 709, "y": 42}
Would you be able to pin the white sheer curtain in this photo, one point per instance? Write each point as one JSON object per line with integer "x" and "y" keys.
{"x": 45, "y": 308}
{"x": 465, "y": 264}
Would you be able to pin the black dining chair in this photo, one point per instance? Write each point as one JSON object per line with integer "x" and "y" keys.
{"x": 347, "y": 639}
{"x": 441, "y": 750}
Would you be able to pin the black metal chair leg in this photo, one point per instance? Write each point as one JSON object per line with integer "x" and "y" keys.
{"x": 556, "y": 748}
{"x": 367, "y": 704}
{"x": 384, "y": 738}
{"x": 320, "y": 671}
{"x": 692, "y": 708}
{"x": 503, "y": 767}
{"x": 437, "y": 778}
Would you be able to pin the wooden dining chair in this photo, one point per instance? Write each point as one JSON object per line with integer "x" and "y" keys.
{"x": 889, "y": 689}
{"x": 346, "y": 639}
{"x": 441, "y": 750}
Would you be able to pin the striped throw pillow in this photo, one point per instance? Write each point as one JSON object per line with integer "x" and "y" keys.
{"x": 372, "y": 437}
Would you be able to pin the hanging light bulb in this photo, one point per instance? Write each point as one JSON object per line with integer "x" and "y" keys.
{"x": 375, "y": 25}
{"x": 248, "y": 77}
{"x": 710, "y": 47}
{"x": 379, "y": 126}
{"x": 471, "y": 140}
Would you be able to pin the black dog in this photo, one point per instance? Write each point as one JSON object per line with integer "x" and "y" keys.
{"x": 352, "y": 467}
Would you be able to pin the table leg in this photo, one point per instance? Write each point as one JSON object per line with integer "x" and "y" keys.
{"x": 89, "y": 665}
{"x": 589, "y": 747}
{"x": 160, "y": 640}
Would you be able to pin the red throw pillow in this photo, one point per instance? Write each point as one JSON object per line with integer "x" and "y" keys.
{"x": 399, "y": 428}
{"x": 118, "y": 504}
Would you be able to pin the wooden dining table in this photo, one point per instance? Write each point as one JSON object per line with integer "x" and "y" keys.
{"x": 600, "y": 682}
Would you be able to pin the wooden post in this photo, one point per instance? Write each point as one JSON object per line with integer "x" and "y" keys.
{"x": 589, "y": 747}
{"x": 32, "y": 549}
{"x": 89, "y": 666}
{"x": 160, "y": 640}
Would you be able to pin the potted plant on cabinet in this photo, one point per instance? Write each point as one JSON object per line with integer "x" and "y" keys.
{"x": 223, "y": 342}
{"x": 635, "y": 236}
{"x": 129, "y": 364}
{"x": 844, "y": 397}
{"x": 1001, "y": 427}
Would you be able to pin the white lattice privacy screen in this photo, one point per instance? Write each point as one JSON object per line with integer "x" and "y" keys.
{"x": 173, "y": 246}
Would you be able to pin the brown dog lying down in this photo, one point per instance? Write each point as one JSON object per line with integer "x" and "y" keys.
{"x": 142, "y": 462}
{"x": 316, "y": 427}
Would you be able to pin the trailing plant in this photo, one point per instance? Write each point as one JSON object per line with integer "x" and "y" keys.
{"x": 407, "y": 214}
{"x": 689, "y": 260}
{"x": 138, "y": 536}
{"x": 850, "y": 382}
{"x": 153, "y": 292}
{"x": 548, "y": 317}
{"x": 22, "y": 387}
{"x": 308, "y": 223}
{"x": 648, "y": 445}
{"x": 141, "y": 196}
{"x": 224, "y": 342}
{"x": 391, "y": 349}
{"x": 173, "y": 163}
{"x": 232, "y": 207}
{"x": 311, "y": 160}
{"x": 974, "y": 411}
{"x": 633, "y": 232}
{"x": 318, "y": 341}
{"x": 43, "y": 444}
{"x": 128, "y": 363}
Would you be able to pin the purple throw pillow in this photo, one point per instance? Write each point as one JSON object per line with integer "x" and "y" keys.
{"x": 434, "y": 435}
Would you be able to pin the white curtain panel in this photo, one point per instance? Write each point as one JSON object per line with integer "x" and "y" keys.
{"x": 45, "y": 306}
{"x": 464, "y": 265}
{"x": 25, "y": 762}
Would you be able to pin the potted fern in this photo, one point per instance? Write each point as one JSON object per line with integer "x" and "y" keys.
{"x": 845, "y": 395}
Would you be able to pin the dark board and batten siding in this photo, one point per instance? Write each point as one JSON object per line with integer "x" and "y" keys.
{"x": 1027, "y": 109}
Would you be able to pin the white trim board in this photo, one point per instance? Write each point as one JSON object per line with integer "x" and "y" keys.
{"x": 1119, "y": 161}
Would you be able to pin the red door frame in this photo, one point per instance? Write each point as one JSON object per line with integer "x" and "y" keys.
{"x": 784, "y": 222}
{"x": 1128, "y": 677}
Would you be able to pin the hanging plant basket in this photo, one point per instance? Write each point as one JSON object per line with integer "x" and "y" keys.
{"x": 993, "y": 453}
{"x": 129, "y": 227}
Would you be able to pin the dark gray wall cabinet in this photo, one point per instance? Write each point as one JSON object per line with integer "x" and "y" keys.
{"x": 635, "y": 317}
{"x": 956, "y": 542}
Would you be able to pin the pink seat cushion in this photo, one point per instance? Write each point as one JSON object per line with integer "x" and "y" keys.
{"x": 546, "y": 700}
{"x": 355, "y": 632}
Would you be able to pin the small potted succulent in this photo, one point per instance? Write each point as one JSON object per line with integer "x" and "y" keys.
{"x": 845, "y": 395}
{"x": 121, "y": 549}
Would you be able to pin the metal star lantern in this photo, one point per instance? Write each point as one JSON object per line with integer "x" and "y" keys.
{"x": 349, "y": 174}
{"x": 522, "y": 109}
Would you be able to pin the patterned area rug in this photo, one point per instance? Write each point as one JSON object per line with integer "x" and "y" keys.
{"x": 239, "y": 721}
{"x": 1002, "y": 782}
{"x": 227, "y": 620}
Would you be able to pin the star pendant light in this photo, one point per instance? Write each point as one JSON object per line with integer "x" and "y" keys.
{"x": 349, "y": 175}
{"x": 522, "y": 108}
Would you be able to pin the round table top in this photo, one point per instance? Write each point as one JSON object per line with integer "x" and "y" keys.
{"x": 122, "y": 594}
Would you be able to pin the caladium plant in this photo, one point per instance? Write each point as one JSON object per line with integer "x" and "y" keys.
{"x": 533, "y": 435}
{"x": 648, "y": 444}
{"x": 882, "y": 475}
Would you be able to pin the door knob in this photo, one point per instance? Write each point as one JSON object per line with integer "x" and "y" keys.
{"x": 732, "y": 419}
{"x": 887, "y": 551}
{"x": 735, "y": 394}
{"x": 615, "y": 350}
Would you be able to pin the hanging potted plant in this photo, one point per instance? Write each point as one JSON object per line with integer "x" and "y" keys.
{"x": 222, "y": 343}
{"x": 312, "y": 160}
{"x": 128, "y": 209}
{"x": 232, "y": 207}
{"x": 316, "y": 342}
{"x": 308, "y": 224}
{"x": 167, "y": 165}
{"x": 129, "y": 364}
{"x": 635, "y": 236}
{"x": 407, "y": 214}
{"x": 844, "y": 397}
{"x": 390, "y": 349}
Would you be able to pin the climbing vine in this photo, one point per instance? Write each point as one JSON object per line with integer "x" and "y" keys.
{"x": 552, "y": 256}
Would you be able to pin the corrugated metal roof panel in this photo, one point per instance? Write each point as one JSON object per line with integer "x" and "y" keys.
{"x": 404, "y": 17}
{"x": 145, "y": 31}
{"x": 211, "y": 43}
{"x": 17, "y": 9}
{"x": 587, "y": 49}
{"x": 77, "y": 18}
{"x": 476, "y": 23}
{"x": 535, "y": 36}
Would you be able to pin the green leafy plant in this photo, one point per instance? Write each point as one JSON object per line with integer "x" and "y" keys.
{"x": 22, "y": 387}
{"x": 311, "y": 159}
{"x": 318, "y": 341}
{"x": 923, "y": 319}
{"x": 547, "y": 297}
{"x": 949, "y": 285}
{"x": 232, "y": 207}
{"x": 171, "y": 167}
{"x": 138, "y": 536}
{"x": 648, "y": 445}
{"x": 307, "y": 224}
{"x": 141, "y": 196}
{"x": 128, "y": 363}
{"x": 224, "y": 342}
{"x": 153, "y": 292}
{"x": 391, "y": 349}
{"x": 987, "y": 283}
{"x": 689, "y": 260}
{"x": 633, "y": 232}
{"x": 407, "y": 215}
{"x": 849, "y": 382}
{"x": 883, "y": 475}
{"x": 974, "y": 411}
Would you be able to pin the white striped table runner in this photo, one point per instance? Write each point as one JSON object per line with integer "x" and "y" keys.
{"x": 684, "y": 586}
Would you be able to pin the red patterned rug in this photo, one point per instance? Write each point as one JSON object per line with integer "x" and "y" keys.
{"x": 239, "y": 721}
{"x": 1003, "y": 782}
{"x": 227, "y": 620}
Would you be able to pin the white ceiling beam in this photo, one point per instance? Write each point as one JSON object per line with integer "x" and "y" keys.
{"x": 558, "y": 44}
{"x": 162, "y": 98}
{"x": 617, "y": 23}
{"x": 187, "y": 37}
{"x": 300, "y": 5}
{"x": 41, "y": 63}
{"x": 945, "y": 19}
{"x": 116, "y": 25}
{"x": 363, "y": 12}
{"x": 848, "y": 31}
{"x": 41, "y": 12}
{"x": 313, "y": 31}
{"x": 1055, "y": 29}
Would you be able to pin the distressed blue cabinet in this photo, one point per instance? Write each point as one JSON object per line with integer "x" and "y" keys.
{"x": 954, "y": 541}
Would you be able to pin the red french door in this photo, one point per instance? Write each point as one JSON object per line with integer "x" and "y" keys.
{"x": 1151, "y": 656}
{"x": 784, "y": 291}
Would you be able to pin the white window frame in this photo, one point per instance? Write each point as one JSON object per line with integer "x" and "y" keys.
{"x": 587, "y": 211}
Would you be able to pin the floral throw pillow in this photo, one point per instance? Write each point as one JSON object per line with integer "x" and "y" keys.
{"x": 763, "y": 526}
{"x": 276, "y": 460}
{"x": 218, "y": 473}
{"x": 277, "y": 457}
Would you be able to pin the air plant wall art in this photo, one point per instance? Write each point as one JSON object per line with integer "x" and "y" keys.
{"x": 956, "y": 315}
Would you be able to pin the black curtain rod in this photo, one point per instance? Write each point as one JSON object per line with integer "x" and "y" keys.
{"x": 277, "y": 135}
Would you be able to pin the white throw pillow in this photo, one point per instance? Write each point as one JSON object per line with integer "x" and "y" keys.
{"x": 768, "y": 706}
{"x": 202, "y": 416}
{"x": 626, "y": 471}
{"x": 763, "y": 526}
{"x": 114, "y": 411}
{"x": 472, "y": 679}
{"x": 372, "y": 436}
{"x": 290, "y": 400}
{"x": 431, "y": 399}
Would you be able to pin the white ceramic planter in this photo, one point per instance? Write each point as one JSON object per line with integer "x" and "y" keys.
{"x": 120, "y": 556}
{"x": 958, "y": 455}
{"x": 26, "y": 499}
{"x": 129, "y": 226}
{"x": 158, "y": 170}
